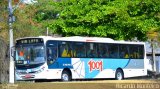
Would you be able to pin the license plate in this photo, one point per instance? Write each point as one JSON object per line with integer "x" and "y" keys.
{"x": 28, "y": 76}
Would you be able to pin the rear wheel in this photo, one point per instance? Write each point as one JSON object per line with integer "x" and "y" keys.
{"x": 66, "y": 76}
{"x": 119, "y": 75}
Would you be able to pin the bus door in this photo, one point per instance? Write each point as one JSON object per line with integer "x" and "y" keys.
{"x": 51, "y": 52}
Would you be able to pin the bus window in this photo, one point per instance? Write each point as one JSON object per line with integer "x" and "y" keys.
{"x": 141, "y": 52}
{"x": 79, "y": 49}
{"x": 103, "y": 51}
{"x": 27, "y": 53}
{"x": 124, "y": 51}
{"x": 133, "y": 49}
{"x": 30, "y": 54}
{"x": 91, "y": 50}
{"x": 66, "y": 49}
{"x": 20, "y": 53}
{"x": 38, "y": 54}
{"x": 51, "y": 51}
{"x": 113, "y": 50}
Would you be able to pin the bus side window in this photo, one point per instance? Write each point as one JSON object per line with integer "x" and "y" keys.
{"x": 70, "y": 51}
{"x": 92, "y": 50}
{"x": 103, "y": 51}
{"x": 51, "y": 51}
{"x": 140, "y": 52}
{"x": 124, "y": 51}
{"x": 66, "y": 49}
{"x": 113, "y": 50}
{"x": 134, "y": 52}
{"x": 126, "y": 55}
{"x": 92, "y": 53}
{"x": 63, "y": 49}
{"x": 79, "y": 50}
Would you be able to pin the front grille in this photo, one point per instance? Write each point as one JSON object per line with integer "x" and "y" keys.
{"x": 28, "y": 72}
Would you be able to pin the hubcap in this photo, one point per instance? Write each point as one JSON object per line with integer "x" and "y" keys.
{"x": 119, "y": 76}
{"x": 65, "y": 77}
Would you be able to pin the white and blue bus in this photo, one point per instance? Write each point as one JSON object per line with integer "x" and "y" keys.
{"x": 68, "y": 58}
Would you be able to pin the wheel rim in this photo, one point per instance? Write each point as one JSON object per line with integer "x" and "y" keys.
{"x": 119, "y": 76}
{"x": 65, "y": 77}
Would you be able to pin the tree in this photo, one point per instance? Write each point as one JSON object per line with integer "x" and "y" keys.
{"x": 3, "y": 20}
{"x": 153, "y": 39}
{"x": 24, "y": 24}
{"x": 45, "y": 14}
{"x": 117, "y": 19}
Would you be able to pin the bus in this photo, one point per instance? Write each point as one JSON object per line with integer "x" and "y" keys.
{"x": 77, "y": 57}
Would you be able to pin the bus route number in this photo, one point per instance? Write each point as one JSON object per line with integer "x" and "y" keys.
{"x": 95, "y": 65}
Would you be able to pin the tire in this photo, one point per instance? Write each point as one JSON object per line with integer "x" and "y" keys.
{"x": 119, "y": 74}
{"x": 66, "y": 76}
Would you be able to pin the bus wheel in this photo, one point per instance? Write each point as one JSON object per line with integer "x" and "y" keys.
{"x": 65, "y": 76}
{"x": 119, "y": 74}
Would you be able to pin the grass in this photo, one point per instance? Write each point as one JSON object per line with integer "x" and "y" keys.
{"x": 104, "y": 84}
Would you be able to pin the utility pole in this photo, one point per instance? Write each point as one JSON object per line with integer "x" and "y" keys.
{"x": 10, "y": 21}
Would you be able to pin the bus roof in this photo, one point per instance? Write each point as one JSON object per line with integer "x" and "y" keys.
{"x": 85, "y": 39}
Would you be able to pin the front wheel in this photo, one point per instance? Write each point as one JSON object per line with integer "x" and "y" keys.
{"x": 65, "y": 76}
{"x": 119, "y": 75}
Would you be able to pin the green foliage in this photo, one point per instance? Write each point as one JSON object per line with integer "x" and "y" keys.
{"x": 117, "y": 19}
{"x": 3, "y": 19}
{"x": 45, "y": 13}
{"x": 24, "y": 24}
{"x": 31, "y": 19}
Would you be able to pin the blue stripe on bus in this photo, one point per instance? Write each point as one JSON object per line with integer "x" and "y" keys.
{"x": 61, "y": 63}
{"x": 107, "y": 63}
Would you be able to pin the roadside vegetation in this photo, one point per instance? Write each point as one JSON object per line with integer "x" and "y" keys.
{"x": 116, "y": 19}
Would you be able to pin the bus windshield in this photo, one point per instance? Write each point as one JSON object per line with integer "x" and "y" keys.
{"x": 30, "y": 54}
